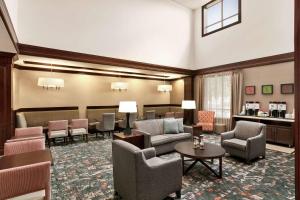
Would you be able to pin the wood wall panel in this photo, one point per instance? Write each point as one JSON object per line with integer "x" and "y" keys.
{"x": 6, "y": 114}
{"x": 188, "y": 95}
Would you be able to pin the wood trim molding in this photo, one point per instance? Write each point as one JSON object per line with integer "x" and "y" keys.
{"x": 31, "y": 50}
{"x": 269, "y": 60}
{"x": 102, "y": 107}
{"x": 162, "y": 105}
{"x": 19, "y": 67}
{"x": 38, "y": 109}
{"x": 297, "y": 99}
{"x": 4, "y": 15}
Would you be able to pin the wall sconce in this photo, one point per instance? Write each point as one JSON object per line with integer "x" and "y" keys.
{"x": 119, "y": 86}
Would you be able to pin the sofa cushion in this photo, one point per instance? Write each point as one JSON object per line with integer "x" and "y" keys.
{"x": 170, "y": 126}
{"x": 160, "y": 139}
{"x": 179, "y": 136}
{"x": 153, "y": 127}
{"x": 180, "y": 125}
{"x": 21, "y": 120}
{"x": 236, "y": 144}
{"x": 246, "y": 129}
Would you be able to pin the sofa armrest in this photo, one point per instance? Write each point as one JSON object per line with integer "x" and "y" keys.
{"x": 149, "y": 153}
{"x": 227, "y": 135}
{"x": 147, "y": 137}
{"x": 188, "y": 129}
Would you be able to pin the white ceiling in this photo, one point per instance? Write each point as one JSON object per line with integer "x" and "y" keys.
{"x": 192, "y": 4}
{"x": 6, "y": 44}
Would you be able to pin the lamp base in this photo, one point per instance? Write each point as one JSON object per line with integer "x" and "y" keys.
{"x": 127, "y": 130}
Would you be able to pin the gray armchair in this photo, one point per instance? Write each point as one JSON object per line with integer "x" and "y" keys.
{"x": 247, "y": 140}
{"x": 139, "y": 174}
{"x": 107, "y": 124}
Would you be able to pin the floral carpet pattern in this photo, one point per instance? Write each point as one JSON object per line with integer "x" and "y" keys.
{"x": 84, "y": 171}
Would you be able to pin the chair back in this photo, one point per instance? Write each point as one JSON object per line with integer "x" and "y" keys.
{"x": 109, "y": 121}
{"x": 79, "y": 123}
{"x": 29, "y": 131}
{"x": 150, "y": 114}
{"x": 246, "y": 129}
{"x": 58, "y": 125}
{"x": 206, "y": 116}
{"x": 178, "y": 114}
{"x": 170, "y": 115}
{"x": 126, "y": 158}
{"x": 26, "y": 179}
{"x": 24, "y": 146}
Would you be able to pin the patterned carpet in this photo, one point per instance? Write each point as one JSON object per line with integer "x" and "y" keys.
{"x": 84, "y": 171}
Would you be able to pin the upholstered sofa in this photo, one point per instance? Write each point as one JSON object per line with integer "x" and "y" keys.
{"x": 154, "y": 136}
{"x": 31, "y": 117}
{"x": 140, "y": 175}
{"x": 247, "y": 140}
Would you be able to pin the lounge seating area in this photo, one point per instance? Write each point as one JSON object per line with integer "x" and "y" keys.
{"x": 149, "y": 100}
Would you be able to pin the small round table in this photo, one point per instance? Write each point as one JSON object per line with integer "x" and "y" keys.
{"x": 210, "y": 151}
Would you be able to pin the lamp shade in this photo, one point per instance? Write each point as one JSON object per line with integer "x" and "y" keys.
{"x": 188, "y": 104}
{"x": 51, "y": 82}
{"x": 164, "y": 88}
{"x": 127, "y": 107}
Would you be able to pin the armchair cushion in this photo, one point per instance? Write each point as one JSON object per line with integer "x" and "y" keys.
{"x": 236, "y": 144}
{"x": 78, "y": 131}
{"x": 171, "y": 126}
{"x": 56, "y": 134}
{"x": 149, "y": 153}
{"x": 179, "y": 136}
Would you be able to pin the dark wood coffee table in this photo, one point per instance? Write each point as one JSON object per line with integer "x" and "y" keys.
{"x": 211, "y": 151}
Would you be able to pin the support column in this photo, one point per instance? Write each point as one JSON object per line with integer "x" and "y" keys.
{"x": 6, "y": 116}
{"x": 188, "y": 95}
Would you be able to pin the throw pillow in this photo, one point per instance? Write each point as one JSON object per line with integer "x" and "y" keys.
{"x": 180, "y": 125}
{"x": 170, "y": 126}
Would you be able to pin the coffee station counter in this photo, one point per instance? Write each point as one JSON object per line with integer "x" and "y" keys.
{"x": 279, "y": 130}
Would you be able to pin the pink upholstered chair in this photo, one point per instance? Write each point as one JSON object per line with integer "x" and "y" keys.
{"x": 169, "y": 115}
{"x": 206, "y": 120}
{"x": 18, "y": 181}
{"x": 24, "y": 146}
{"x": 29, "y": 131}
{"x": 79, "y": 127}
{"x": 57, "y": 129}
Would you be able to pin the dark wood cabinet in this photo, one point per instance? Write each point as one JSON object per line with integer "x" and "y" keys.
{"x": 278, "y": 131}
{"x": 134, "y": 138}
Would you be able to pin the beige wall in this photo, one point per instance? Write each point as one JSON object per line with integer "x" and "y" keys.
{"x": 272, "y": 74}
{"x": 177, "y": 95}
{"x": 84, "y": 90}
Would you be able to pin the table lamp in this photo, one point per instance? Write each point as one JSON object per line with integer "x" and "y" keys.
{"x": 127, "y": 107}
{"x": 188, "y": 105}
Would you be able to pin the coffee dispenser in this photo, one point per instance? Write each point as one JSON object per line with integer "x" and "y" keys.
{"x": 256, "y": 108}
{"x": 247, "y": 108}
{"x": 273, "y": 109}
{"x": 281, "y": 109}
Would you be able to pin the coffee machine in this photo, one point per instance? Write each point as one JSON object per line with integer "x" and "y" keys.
{"x": 281, "y": 109}
{"x": 273, "y": 109}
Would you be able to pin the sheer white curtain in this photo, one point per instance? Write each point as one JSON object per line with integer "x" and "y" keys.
{"x": 217, "y": 96}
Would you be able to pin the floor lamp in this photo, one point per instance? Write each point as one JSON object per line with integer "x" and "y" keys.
{"x": 127, "y": 107}
{"x": 189, "y": 105}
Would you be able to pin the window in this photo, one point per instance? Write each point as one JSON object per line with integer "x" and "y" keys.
{"x": 217, "y": 95}
{"x": 220, "y": 14}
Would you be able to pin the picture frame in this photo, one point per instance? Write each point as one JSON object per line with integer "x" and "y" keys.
{"x": 267, "y": 89}
{"x": 250, "y": 90}
{"x": 287, "y": 88}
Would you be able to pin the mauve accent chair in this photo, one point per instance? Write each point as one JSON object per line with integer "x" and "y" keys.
{"x": 140, "y": 175}
{"x": 247, "y": 140}
{"x": 79, "y": 127}
{"x": 206, "y": 120}
{"x": 107, "y": 124}
{"x": 18, "y": 181}
{"x": 29, "y": 131}
{"x": 57, "y": 129}
{"x": 11, "y": 148}
{"x": 150, "y": 114}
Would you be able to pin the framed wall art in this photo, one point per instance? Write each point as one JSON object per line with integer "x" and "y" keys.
{"x": 250, "y": 90}
{"x": 267, "y": 89}
{"x": 287, "y": 88}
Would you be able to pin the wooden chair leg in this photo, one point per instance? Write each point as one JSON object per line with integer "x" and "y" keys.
{"x": 49, "y": 142}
